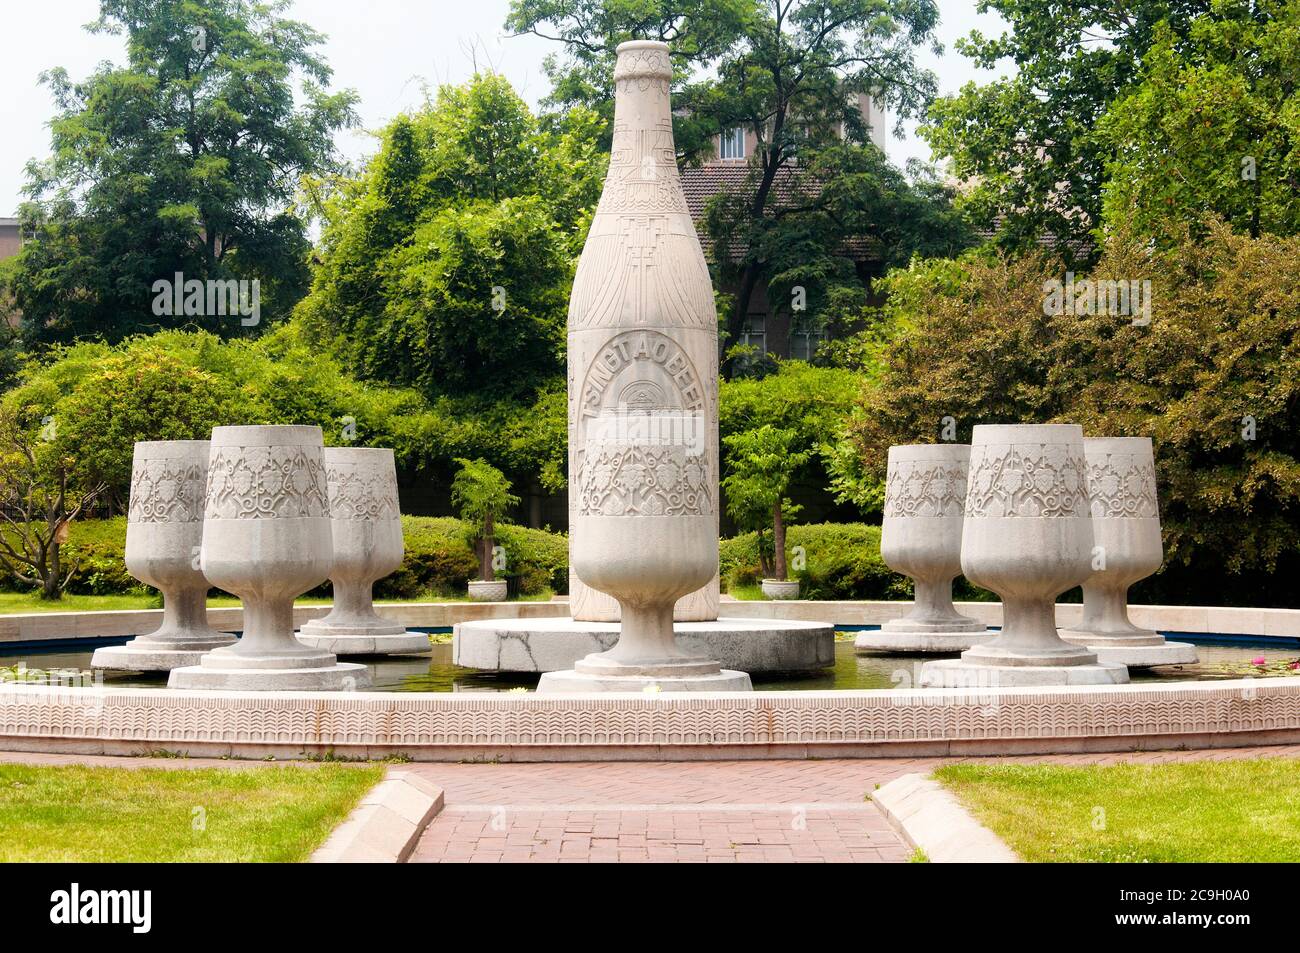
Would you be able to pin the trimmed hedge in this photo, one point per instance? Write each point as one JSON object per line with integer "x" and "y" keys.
{"x": 843, "y": 562}
{"x": 439, "y": 559}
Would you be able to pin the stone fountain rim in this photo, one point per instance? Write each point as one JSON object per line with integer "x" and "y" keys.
{"x": 646, "y": 726}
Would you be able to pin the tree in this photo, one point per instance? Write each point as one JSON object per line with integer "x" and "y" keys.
{"x": 791, "y": 71}
{"x": 184, "y": 160}
{"x": 1212, "y": 127}
{"x": 1030, "y": 144}
{"x": 37, "y": 502}
{"x": 482, "y": 494}
{"x": 811, "y": 402}
{"x": 762, "y": 462}
{"x": 446, "y": 264}
{"x": 1210, "y": 379}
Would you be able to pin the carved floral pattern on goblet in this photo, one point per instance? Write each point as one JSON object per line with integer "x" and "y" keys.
{"x": 1121, "y": 478}
{"x": 920, "y": 535}
{"x": 164, "y": 531}
{"x": 1027, "y": 535}
{"x": 267, "y": 539}
{"x": 366, "y": 527}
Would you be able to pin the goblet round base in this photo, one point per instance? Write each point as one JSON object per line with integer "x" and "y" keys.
{"x": 1137, "y": 654}
{"x": 604, "y": 665}
{"x": 339, "y": 640}
{"x": 145, "y": 654}
{"x": 341, "y": 676}
{"x": 958, "y": 624}
{"x": 920, "y": 642}
{"x": 960, "y": 673}
{"x": 1130, "y": 637}
{"x": 1064, "y": 655}
{"x": 724, "y": 680}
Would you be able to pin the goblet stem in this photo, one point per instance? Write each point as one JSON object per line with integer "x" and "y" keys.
{"x": 1028, "y": 630}
{"x": 933, "y": 602}
{"x": 353, "y": 604}
{"x": 268, "y": 626}
{"x": 647, "y": 632}
{"x": 1105, "y": 609}
{"x": 184, "y": 614}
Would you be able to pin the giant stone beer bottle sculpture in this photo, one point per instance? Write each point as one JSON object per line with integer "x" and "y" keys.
{"x": 643, "y": 331}
{"x": 643, "y": 407}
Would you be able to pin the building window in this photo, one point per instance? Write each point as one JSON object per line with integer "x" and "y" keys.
{"x": 755, "y": 336}
{"x": 733, "y": 144}
{"x": 804, "y": 341}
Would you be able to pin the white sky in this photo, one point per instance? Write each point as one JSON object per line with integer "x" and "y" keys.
{"x": 388, "y": 50}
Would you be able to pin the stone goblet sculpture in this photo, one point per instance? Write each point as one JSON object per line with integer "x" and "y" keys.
{"x": 164, "y": 529}
{"x": 1026, "y": 535}
{"x": 920, "y": 537}
{"x": 1126, "y": 528}
{"x": 649, "y": 531}
{"x": 367, "y": 532}
{"x": 267, "y": 539}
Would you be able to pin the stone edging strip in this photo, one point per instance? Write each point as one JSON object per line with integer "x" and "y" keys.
{"x": 930, "y": 819}
{"x": 386, "y": 825}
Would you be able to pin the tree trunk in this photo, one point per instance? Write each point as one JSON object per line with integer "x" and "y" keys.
{"x": 739, "y": 317}
{"x": 764, "y": 563}
{"x": 750, "y": 275}
{"x": 778, "y": 541}
{"x": 485, "y": 560}
{"x": 50, "y": 588}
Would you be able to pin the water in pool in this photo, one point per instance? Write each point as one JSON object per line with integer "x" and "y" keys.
{"x": 436, "y": 673}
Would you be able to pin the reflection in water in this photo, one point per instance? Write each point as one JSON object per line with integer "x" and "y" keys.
{"x": 436, "y": 673}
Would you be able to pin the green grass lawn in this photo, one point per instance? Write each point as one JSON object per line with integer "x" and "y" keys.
{"x": 1195, "y": 811}
{"x": 81, "y": 814}
{"x": 13, "y": 603}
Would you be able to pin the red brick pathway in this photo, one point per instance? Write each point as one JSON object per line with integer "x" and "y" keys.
{"x": 715, "y": 812}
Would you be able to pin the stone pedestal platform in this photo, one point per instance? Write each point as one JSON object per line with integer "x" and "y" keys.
{"x": 959, "y": 673}
{"x": 553, "y": 645}
{"x": 571, "y": 681}
{"x": 1135, "y": 651}
{"x": 145, "y": 655}
{"x": 344, "y": 640}
{"x": 305, "y": 671}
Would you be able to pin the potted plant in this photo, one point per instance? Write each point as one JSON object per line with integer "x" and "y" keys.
{"x": 482, "y": 494}
{"x": 761, "y": 463}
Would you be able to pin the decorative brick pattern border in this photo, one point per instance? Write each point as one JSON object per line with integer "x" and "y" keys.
{"x": 640, "y": 727}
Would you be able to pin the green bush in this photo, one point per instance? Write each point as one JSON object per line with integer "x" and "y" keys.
{"x": 843, "y": 562}
{"x": 98, "y": 547}
{"x": 438, "y": 559}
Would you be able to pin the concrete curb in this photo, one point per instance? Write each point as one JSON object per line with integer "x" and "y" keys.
{"x": 929, "y": 818}
{"x": 386, "y": 825}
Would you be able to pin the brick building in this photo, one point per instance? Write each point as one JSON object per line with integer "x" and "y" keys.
{"x": 10, "y": 240}
{"x": 773, "y": 330}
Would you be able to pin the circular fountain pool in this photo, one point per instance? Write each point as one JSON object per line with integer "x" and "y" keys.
{"x": 436, "y": 673}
